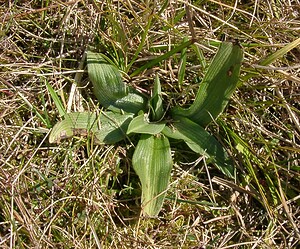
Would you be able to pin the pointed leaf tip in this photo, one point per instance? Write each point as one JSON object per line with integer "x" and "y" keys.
{"x": 106, "y": 79}
{"x": 217, "y": 86}
{"x": 109, "y": 88}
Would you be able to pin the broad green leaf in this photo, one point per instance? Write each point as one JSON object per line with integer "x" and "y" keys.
{"x": 182, "y": 65}
{"x": 107, "y": 127}
{"x": 110, "y": 90}
{"x": 217, "y": 86}
{"x": 131, "y": 103}
{"x": 106, "y": 79}
{"x": 156, "y": 105}
{"x": 140, "y": 124}
{"x": 200, "y": 141}
{"x": 152, "y": 162}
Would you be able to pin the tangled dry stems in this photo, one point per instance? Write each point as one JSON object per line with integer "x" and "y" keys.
{"x": 76, "y": 195}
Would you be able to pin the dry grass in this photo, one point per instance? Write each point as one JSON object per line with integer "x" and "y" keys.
{"x": 77, "y": 195}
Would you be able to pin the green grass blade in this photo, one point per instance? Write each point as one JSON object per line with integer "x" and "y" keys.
{"x": 58, "y": 103}
{"x": 165, "y": 56}
{"x": 163, "y": 7}
{"x": 200, "y": 141}
{"x": 270, "y": 59}
{"x": 218, "y": 85}
{"x": 107, "y": 128}
{"x": 34, "y": 109}
{"x": 141, "y": 125}
{"x": 199, "y": 55}
{"x": 280, "y": 53}
{"x": 141, "y": 44}
{"x": 152, "y": 161}
{"x": 182, "y": 65}
{"x": 46, "y": 114}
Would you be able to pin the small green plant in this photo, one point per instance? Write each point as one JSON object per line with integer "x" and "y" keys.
{"x": 129, "y": 113}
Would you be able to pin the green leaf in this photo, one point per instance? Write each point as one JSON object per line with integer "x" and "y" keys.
{"x": 106, "y": 128}
{"x": 140, "y": 124}
{"x": 110, "y": 90}
{"x": 200, "y": 141}
{"x": 152, "y": 161}
{"x": 131, "y": 103}
{"x": 218, "y": 85}
{"x": 106, "y": 79}
{"x": 156, "y": 104}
